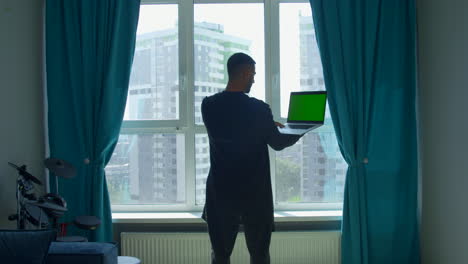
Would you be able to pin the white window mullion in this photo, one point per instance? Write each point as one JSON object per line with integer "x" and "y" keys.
{"x": 272, "y": 72}
{"x": 268, "y": 53}
{"x": 274, "y": 49}
{"x": 186, "y": 62}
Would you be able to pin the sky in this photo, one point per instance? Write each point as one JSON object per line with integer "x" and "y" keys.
{"x": 245, "y": 21}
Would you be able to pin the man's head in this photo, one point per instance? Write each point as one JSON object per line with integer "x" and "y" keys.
{"x": 241, "y": 70}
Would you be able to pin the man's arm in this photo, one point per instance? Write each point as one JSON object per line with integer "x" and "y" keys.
{"x": 275, "y": 139}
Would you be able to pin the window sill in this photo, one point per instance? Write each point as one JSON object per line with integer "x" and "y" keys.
{"x": 195, "y": 217}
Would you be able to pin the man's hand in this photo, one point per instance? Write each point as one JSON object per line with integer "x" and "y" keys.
{"x": 278, "y": 124}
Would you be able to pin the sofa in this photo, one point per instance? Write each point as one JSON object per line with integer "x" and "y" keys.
{"x": 82, "y": 252}
{"x": 37, "y": 247}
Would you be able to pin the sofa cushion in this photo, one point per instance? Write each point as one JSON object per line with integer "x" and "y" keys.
{"x": 82, "y": 252}
{"x": 25, "y": 246}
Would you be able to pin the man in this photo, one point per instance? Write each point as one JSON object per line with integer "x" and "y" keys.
{"x": 238, "y": 188}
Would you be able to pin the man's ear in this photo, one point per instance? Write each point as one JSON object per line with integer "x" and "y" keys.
{"x": 245, "y": 73}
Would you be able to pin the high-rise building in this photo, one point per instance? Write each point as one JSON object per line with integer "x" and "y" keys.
{"x": 155, "y": 162}
{"x": 212, "y": 49}
{"x": 314, "y": 166}
{"x": 322, "y": 166}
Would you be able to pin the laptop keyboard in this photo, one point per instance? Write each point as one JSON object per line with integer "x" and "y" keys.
{"x": 299, "y": 126}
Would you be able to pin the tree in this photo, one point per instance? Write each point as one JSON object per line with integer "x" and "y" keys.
{"x": 288, "y": 181}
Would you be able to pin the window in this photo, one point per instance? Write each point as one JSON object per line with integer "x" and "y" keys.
{"x": 316, "y": 157}
{"x": 141, "y": 169}
{"x": 155, "y": 66}
{"x": 162, "y": 158}
{"x": 218, "y": 29}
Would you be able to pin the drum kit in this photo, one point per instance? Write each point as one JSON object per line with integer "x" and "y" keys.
{"x": 44, "y": 211}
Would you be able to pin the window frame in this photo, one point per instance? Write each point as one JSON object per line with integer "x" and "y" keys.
{"x": 186, "y": 122}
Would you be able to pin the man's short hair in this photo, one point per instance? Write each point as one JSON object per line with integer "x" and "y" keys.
{"x": 236, "y": 62}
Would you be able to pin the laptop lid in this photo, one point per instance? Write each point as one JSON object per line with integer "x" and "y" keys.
{"x": 307, "y": 107}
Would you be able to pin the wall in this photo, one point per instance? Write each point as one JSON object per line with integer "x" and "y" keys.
{"x": 443, "y": 89}
{"x": 21, "y": 100}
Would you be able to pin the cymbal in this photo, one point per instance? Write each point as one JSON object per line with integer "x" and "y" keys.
{"x": 89, "y": 222}
{"x": 60, "y": 167}
{"x": 48, "y": 206}
{"x": 22, "y": 171}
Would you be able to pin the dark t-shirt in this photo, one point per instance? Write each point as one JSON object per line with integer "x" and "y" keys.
{"x": 240, "y": 128}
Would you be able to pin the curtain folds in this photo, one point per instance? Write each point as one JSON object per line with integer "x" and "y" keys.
{"x": 368, "y": 55}
{"x": 89, "y": 53}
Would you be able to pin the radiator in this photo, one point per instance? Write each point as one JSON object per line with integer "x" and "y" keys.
{"x": 194, "y": 248}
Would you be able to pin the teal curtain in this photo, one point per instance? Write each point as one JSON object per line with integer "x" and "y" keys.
{"x": 89, "y": 53}
{"x": 368, "y": 55}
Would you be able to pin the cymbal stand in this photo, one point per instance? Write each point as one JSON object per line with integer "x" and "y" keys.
{"x": 22, "y": 191}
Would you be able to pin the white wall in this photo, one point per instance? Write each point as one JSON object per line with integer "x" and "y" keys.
{"x": 21, "y": 100}
{"x": 443, "y": 88}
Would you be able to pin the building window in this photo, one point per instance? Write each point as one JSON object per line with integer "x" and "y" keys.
{"x": 162, "y": 158}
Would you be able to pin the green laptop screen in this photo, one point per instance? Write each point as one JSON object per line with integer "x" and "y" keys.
{"x": 307, "y": 107}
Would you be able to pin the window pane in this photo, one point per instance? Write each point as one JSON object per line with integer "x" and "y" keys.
{"x": 301, "y": 68}
{"x": 312, "y": 170}
{"x": 153, "y": 92}
{"x": 147, "y": 169}
{"x": 202, "y": 166}
{"x": 220, "y": 31}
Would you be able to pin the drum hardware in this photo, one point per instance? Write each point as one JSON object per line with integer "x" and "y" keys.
{"x": 60, "y": 168}
{"x": 39, "y": 212}
{"x": 26, "y": 175}
{"x": 13, "y": 217}
{"x": 30, "y": 209}
{"x": 87, "y": 222}
{"x": 48, "y": 207}
{"x": 36, "y": 216}
{"x": 54, "y": 204}
{"x": 63, "y": 169}
{"x": 24, "y": 195}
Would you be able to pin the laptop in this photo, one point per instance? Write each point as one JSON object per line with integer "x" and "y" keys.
{"x": 306, "y": 112}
